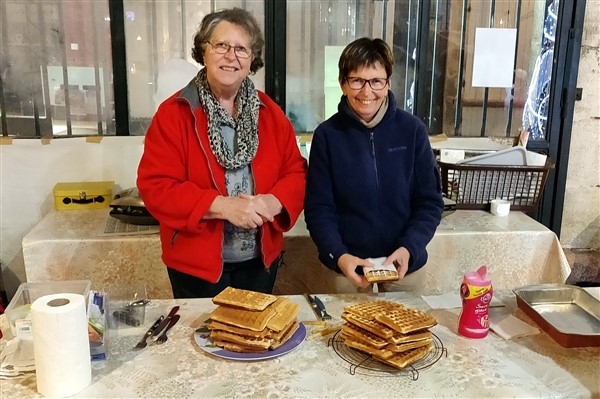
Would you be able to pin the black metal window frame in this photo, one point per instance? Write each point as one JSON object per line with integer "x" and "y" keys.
{"x": 563, "y": 93}
{"x": 119, "y": 63}
{"x": 563, "y": 90}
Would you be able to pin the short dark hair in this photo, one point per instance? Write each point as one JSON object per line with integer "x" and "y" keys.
{"x": 236, "y": 16}
{"x": 365, "y": 52}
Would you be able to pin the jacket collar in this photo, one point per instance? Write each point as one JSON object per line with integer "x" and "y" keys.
{"x": 344, "y": 108}
{"x": 190, "y": 94}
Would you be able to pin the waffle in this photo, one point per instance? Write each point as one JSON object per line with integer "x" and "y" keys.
{"x": 381, "y": 275}
{"x": 371, "y": 308}
{"x": 379, "y": 353}
{"x": 239, "y": 329}
{"x": 251, "y": 320}
{"x": 284, "y": 336}
{"x": 244, "y": 299}
{"x": 233, "y": 347}
{"x": 252, "y": 342}
{"x": 388, "y": 331}
{"x": 403, "y": 359}
{"x": 372, "y": 326}
{"x": 404, "y": 338}
{"x": 409, "y": 345}
{"x": 406, "y": 320}
{"x": 278, "y": 335}
{"x": 215, "y": 325}
{"x": 285, "y": 313}
{"x": 363, "y": 335}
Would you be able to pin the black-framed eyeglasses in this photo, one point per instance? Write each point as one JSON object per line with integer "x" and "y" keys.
{"x": 358, "y": 83}
{"x": 223, "y": 48}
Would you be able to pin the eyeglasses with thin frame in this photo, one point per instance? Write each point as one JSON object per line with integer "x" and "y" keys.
{"x": 356, "y": 83}
{"x": 223, "y": 48}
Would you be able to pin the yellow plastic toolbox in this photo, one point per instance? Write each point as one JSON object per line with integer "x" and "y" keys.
{"x": 83, "y": 195}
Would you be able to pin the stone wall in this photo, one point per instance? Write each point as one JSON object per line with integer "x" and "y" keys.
{"x": 581, "y": 214}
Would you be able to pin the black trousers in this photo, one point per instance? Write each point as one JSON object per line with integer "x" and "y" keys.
{"x": 248, "y": 275}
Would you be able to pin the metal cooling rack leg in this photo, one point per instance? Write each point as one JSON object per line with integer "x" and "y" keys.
{"x": 415, "y": 373}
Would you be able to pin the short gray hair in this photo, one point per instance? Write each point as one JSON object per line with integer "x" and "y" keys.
{"x": 236, "y": 16}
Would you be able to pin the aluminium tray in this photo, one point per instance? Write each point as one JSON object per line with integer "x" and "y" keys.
{"x": 569, "y": 314}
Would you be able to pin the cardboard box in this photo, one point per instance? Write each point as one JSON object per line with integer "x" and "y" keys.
{"x": 83, "y": 195}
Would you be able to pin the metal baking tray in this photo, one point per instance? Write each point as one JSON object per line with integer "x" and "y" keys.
{"x": 569, "y": 314}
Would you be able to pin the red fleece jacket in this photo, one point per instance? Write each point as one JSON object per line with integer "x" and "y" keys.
{"x": 179, "y": 178}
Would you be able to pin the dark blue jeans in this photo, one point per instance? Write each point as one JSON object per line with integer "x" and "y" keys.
{"x": 248, "y": 275}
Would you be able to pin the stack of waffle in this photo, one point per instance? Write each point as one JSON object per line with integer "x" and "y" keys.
{"x": 388, "y": 331}
{"x": 248, "y": 321}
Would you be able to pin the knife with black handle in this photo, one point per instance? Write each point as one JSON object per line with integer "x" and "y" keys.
{"x": 321, "y": 307}
{"x": 165, "y": 321}
{"x": 143, "y": 342}
{"x": 314, "y": 306}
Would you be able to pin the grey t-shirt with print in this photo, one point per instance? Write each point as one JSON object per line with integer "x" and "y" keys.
{"x": 239, "y": 244}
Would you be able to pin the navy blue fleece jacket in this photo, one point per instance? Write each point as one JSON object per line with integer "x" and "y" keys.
{"x": 372, "y": 191}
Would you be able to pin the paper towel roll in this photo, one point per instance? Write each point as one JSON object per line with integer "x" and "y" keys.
{"x": 60, "y": 344}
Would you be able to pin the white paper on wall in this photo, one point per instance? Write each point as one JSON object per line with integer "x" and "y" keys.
{"x": 493, "y": 57}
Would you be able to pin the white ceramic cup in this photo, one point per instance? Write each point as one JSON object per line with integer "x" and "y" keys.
{"x": 500, "y": 207}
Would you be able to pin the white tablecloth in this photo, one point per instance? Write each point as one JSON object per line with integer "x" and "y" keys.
{"x": 534, "y": 366}
{"x": 517, "y": 250}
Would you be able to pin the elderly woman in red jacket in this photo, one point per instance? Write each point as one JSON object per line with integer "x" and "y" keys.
{"x": 221, "y": 170}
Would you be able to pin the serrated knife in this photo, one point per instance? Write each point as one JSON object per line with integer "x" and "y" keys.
{"x": 313, "y": 305}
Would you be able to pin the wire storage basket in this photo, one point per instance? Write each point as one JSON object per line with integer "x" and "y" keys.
{"x": 474, "y": 186}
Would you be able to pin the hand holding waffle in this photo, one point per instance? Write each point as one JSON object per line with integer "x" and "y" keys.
{"x": 348, "y": 264}
{"x": 400, "y": 259}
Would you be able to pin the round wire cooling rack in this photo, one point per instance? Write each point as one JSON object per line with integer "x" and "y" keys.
{"x": 366, "y": 364}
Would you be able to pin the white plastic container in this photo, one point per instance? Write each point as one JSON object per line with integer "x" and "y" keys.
{"x": 499, "y": 207}
{"x": 18, "y": 310}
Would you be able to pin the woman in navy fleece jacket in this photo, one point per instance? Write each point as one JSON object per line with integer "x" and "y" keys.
{"x": 373, "y": 188}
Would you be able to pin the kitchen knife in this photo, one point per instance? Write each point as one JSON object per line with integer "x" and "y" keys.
{"x": 142, "y": 344}
{"x": 165, "y": 321}
{"x": 314, "y": 306}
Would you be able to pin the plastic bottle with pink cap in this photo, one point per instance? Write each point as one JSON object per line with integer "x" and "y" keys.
{"x": 476, "y": 293}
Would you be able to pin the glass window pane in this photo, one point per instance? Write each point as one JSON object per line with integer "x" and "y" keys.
{"x": 439, "y": 67}
{"x": 317, "y": 31}
{"x": 159, "y": 39}
{"x": 56, "y": 68}
{"x": 491, "y": 111}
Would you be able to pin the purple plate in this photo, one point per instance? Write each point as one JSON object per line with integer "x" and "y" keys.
{"x": 202, "y": 338}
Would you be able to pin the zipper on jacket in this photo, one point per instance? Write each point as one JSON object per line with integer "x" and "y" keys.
{"x": 259, "y": 230}
{"x": 212, "y": 176}
{"x": 372, "y": 142}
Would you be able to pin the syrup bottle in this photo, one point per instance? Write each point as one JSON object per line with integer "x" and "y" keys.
{"x": 476, "y": 293}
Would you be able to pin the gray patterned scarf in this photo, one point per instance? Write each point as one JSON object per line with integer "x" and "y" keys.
{"x": 245, "y": 124}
